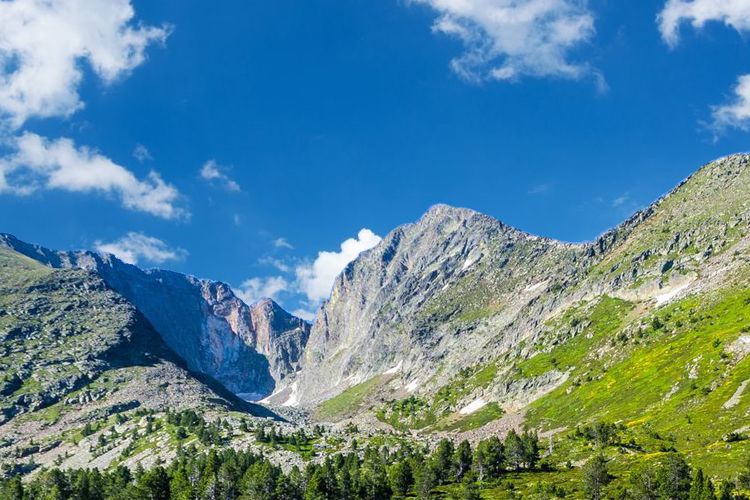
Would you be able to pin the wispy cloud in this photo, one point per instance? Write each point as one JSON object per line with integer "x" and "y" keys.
{"x": 43, "y": 43}
{"x": 37, "y": 163}
{"x": 509, "y": 39}
{"x": 282, "y": 243}
{"x": 213, "y": 172}
{"x": 621, "y": 200}
{"x": 135, "y": 247}
{"x": 279, "y": 264}
{"x": 540, "y": 189}
{"x": 141, "y": 153}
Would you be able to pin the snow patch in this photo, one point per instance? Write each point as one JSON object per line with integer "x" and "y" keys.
{"x": 535, "y": 286}
{"x": 394, "y": 370}
{"x": 293, "y": 399}
{"x": 473, "y": 406}
{"x": 667, "y": 296}
{"x": 467, "y": 264}
{"x": 413, "y": 385}
{"x": 445, "y": 287}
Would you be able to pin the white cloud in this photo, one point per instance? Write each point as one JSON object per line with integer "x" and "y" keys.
{"x": 212, "y": 171}
{"x": 141, "y": 153}
{"x": 255, "y": 289}
{"x": 37, "y": 163}
{"x": 42, "y": 45}
{"x": 304, "y": 314}
{"x": 134, "y": 247}
{"x": 307, "y": 284}
{"x": 507, "y": 39}
{"x": 315, "y": 280}
{"x": 733, "y": 13}
{"x": 282, "y": 243}
{"x": 735, "y": 113}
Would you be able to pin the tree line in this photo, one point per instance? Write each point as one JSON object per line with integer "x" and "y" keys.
{"x": 374, "y": 473}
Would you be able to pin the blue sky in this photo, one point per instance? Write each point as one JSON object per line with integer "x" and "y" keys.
{"x": 237, "y": 142}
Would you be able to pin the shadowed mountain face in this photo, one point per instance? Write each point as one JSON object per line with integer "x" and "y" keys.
{"x": 63, "y": 330}
{"x": 246, "y": 348}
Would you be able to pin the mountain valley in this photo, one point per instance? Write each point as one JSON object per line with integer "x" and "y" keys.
{"x": 631, "y": 349}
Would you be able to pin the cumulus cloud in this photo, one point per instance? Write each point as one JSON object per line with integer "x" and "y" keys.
{"x": 42, "y": 45}
{"x": 316, "y": 279}
{"x": 306, "y": 284}
{"x": 733, "y": 13}
{"x": 736, "y": 112}
{"x": 37, "y": 163}
{"x": 508, "y": 39}
{"x": 255, "y": 289}
{"x": 212, "y": 171}
{"x": 134, "y": 247}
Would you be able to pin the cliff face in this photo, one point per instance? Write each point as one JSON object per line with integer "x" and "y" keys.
{"x": 64, "y": 331}
{"x": 459, "y": 289}
{"x": 412, "y": 303}
{"x": 247, "y": 349}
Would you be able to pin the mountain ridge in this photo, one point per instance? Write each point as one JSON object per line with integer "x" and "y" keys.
{"x": 202, "y": 320}
{"x": 577, "y": 259}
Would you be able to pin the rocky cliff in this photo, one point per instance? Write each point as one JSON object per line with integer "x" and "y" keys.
{"x": 249, "y": 349}
{"x": 458, "y": 289}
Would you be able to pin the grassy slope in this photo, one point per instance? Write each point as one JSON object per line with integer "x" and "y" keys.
{"x": 685, "y": 359}
{"x": 348, "y": 401}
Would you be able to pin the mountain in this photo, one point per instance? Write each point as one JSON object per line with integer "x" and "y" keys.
{"x": 249, "y": 349}
{"x": 469, "y": 321}
{"x": 431, "y": 292}
{"x": 633, "y": 347}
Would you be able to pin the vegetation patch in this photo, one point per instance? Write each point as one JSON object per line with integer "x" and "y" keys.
{"x": 349, "y": 401}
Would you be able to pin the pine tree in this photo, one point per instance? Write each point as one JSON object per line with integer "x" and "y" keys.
{"x": 441, "y": 461}
{"x": 259, "y": 481}
{"x": 489, "y": 458}
{"x": 674, "y": 477}
{"x": 515, "y": 453}
{"x": 596, "y": 477}
{"x": 400, "y": 477}
{"x": 425, "y": 480}
{"x": 463, "y": 459}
